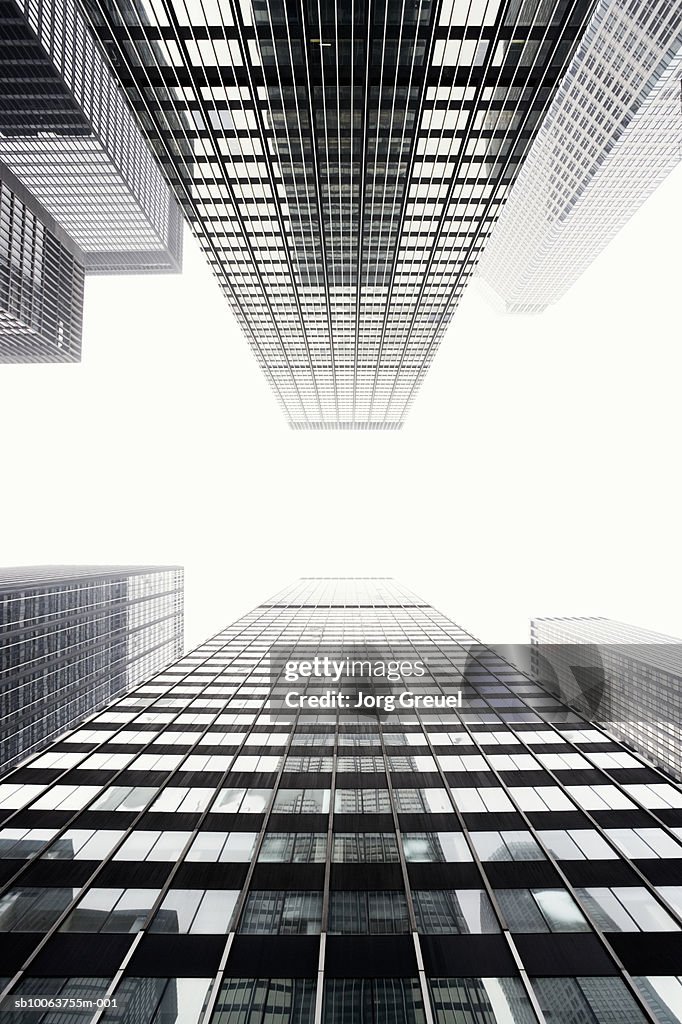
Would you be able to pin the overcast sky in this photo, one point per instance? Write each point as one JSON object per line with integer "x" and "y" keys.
{"x": 537, "y": 474}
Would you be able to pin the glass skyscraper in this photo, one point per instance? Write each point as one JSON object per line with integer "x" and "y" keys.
{"x": 611, "y": 136}
{"x": 634, "y": 686}
{"x": 226, "y": 844}
{"x": 41, "y": 281}
{"x": 72, "y": 638}
{"x": 342, "y": 166}
{"x": 67, "y": 132}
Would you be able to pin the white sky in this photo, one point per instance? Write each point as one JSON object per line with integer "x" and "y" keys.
{"x": 537, "y": 474}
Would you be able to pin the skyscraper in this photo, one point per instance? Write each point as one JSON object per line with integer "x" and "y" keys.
{"x": 633, "y": 685}
{"x": 81, "y": 190}
{"x": 611, "y": 136}
{"x": 231, "y": 842}
{"x": 41, "y": 281}
{"x": 342, "y": 165}
{"x": 66, "y": 131}
{"x": 72, "y": 638}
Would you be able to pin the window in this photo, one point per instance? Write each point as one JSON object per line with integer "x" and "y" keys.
{"x": 301, "y": 801}
{"x": 600, "y": 798}
{"x": 370, "y": 1000}
{"x": 225, "y": 847}
{"x": 368, "y": 913}
{"x": 365, "y": 848}
{"x": 125, "y": 798}
{"x": 246, "y": 801}
{"x": 280, "y": 1000}
{"x": 418, "y": 801}
{"x": 540, "y": 910}
{"x": 294, "y": 847}
{"x": 22, "y": 843}
{"x": 542, "y": 798}
{"x": 254, "y": 763}
{"x": 500, "y": 1000}
{"x": 644, "y": 843}
{"x": 460, "y": 911}
{"x": 626, "y": 909}
{"x": 574, "y": 1000}
{"x": 83, "y": 844}
{"x": 27, "y": 909}
{"x": 362, "y": 801}
{"x": 577, "y": 844}
{"x": 183, "y": 798}
{"x": 111, "y": 910}
{"x": 436, "y": 847}
{"x": 507, "y": 845}
{"x": 480, "y": 799}
{"x": 196, "y": 911}
{"x": 65, "y": 798}
{"x": 282, "y": 913}
{"x": 153, "y": 846}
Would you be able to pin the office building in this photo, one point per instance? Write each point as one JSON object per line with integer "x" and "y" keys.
{"x": 342, "y": 166}
{"x": 225, "y": 845}
{"x": 41, "y": 281}
{"x": 68, "y": 134}
{"x": 72, "y": 638}
{"x": 611, "y": 136}
{"x": 626, "y": 678}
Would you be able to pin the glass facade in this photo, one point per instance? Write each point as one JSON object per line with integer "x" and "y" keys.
{"x": 342, "y": 166}
{"x": 210, "y": 848}
{"x": 71, "y": 639}
{"x": 640, "y": 675}
{"x": 611, "y": 136}
{"x": 67, "y": 133}
{"x": 41, "y": 282}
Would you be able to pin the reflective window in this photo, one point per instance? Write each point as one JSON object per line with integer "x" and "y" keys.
{"x": 436, "y": 847}
{"x": 370, "y": 1000}
{"x": 301, "y": 801}
{"x": 125, "y": 798}
{"x": 365, "y": 848}
{"x": 28, "y": 909}
{"x": 506, "y": 845}
{"x": 576, "y": 1000}
{"x": 362, "y": 801}
{"x": 294, "y": 847}
{"x": 270, "y": 1000}
{"x": 83, "y": 844}
{"x": 368, "y": 913}
{"x": 244, "y": 801}
{"x": 540, "y": 910}
{"x": 153, "y": 845}
{"x": 282, "y": 913}
{"x": 222, "y": 846}
{"x": 460, "y": 911}
{"x": 196, "y": 911}
{"x": 469, "y": 1000}
{"x": 22, "y": 843}
{"x": 625, "y": 909}
{"x": 111, "y": 910}
{"x": 577, "y": 844}
{"x": 418, "y": 801}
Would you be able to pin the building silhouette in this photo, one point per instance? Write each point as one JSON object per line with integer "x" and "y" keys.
{"x": 225, "y": 830}
{"x": 73, "y": 638}
{"x": 611, "y": 136}
{"x": 342, "y": 167}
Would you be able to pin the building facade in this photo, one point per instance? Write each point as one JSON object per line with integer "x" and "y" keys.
{"x": 611, "y": 136}
{"x": 72, "y": 638}
{"x": 68, "y": 134}
{"x": 634, "y": 687}
{"x": 224, "y": 844}
{"x": 41, "y": 281}
{"x": 341, "y": 166}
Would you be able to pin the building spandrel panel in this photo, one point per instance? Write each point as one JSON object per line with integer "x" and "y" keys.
{"x": 342, "y": 166}
{"x": 192, "y": 853}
